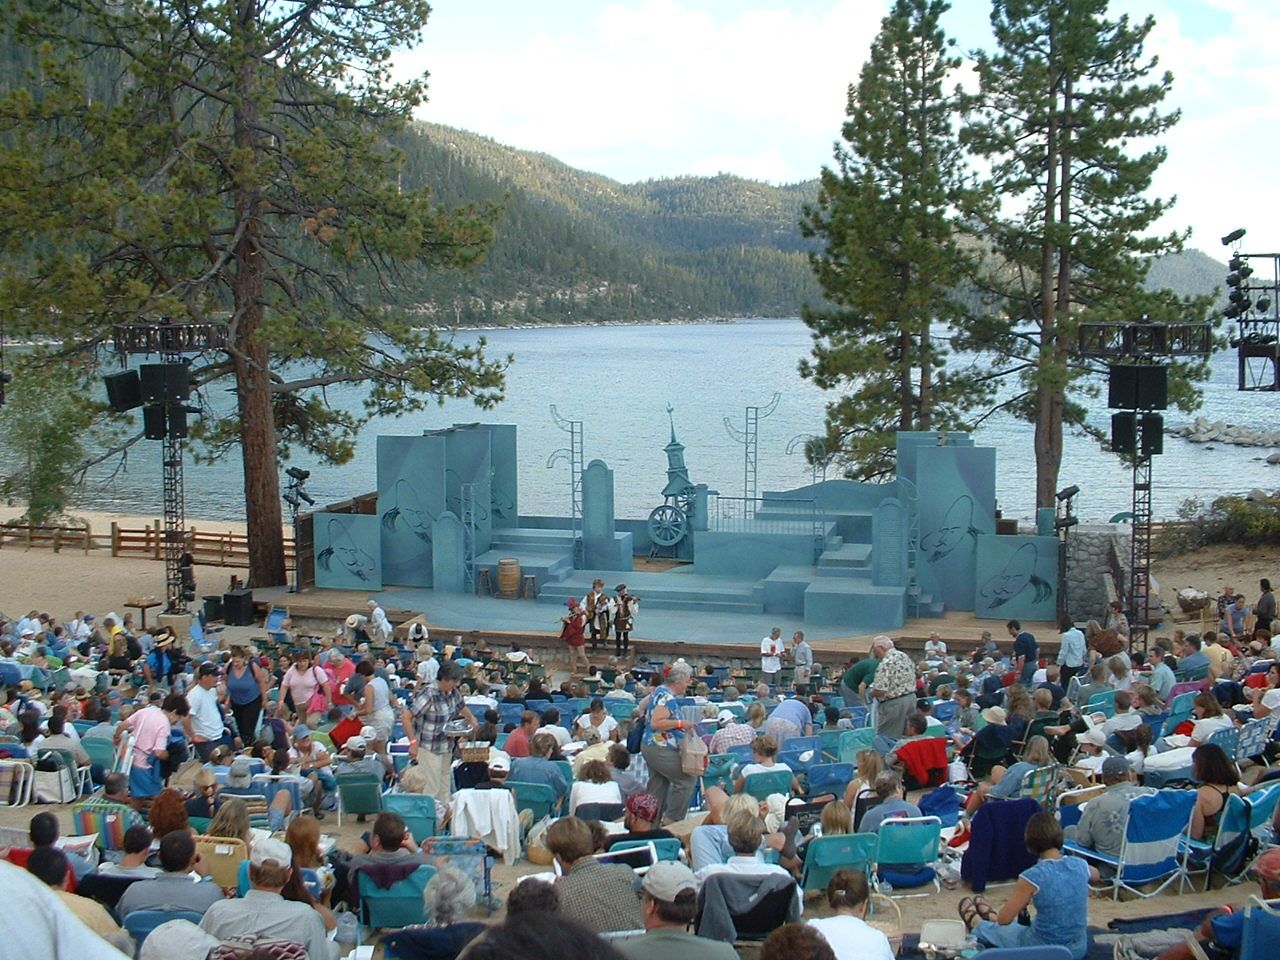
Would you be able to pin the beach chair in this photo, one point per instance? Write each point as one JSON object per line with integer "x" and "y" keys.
{"x": 829, "y": 778}
{"x": 1253, "y": 739}
{"x": 224, "y": 856}
{"x": 1228, "y": 738}
{"x": 140, "y": 923}
{"x": 665, "y": 848}
{"x": 1261, "y": 929}
{"x": 853, "y": 742}
{"x": 1204, "y": 857}
{"x": 719, "y": 772}
{"x": 538, "y": 798}
{"x": 792, "y": 758}
{"x": 358, "y": 793}
{"x": 825, "y": 855}
{"x": 830, "y": 740}
{"x": 763, "y": 785}
{"x": 417, "y": 810}
{"x": 804, "y": 744}
{"x": 908, "y": 840}
{"x": 1104, "y": 702}
{"x": 274, "y": 623}
{"x": 1155, "y": 847}
{"x": 1041, "y": 952}
{"x": 399, "y": 905}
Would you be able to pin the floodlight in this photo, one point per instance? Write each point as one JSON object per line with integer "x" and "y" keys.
{"x": 1233, "y": 236}
{"x": 1067, "y": 493}
{"x": 1263, "y": 304}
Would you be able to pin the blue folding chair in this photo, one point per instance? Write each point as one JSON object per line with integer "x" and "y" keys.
{"x": 1261, "y": 929}
{"x": 904, "y": 842}
{"x": 1253, "y": 739}
{"x": 667, "y": 848}
{"x": 539, "y": 798}
{"x": 510, "y": 713}
{"x": 742, "y": 752}
{"x": 400, "y": 905}
{"x": 830, "y": 740}
{"x": 417, "y": 810}
{"x": 793, "y": 759}
{"x": 829, "y": 778}
{"x": 854, "y": 742}
{"x": 945, "y": 710}
{"x": 140, "y": 923}
{"x": 719, "y": 772}
{"x": 1046, "y": 952}
{"x": 1228, "y": 738}
{"x": 1104, "y": 702}
{"x": 1155, "y": 846}
{"x": 1204, "y": 857}
{"x": 803, "y": 744}
{"x": 825, "y": 855}
{"x": 620, "y": 710}
{"x": 763, "y": 785}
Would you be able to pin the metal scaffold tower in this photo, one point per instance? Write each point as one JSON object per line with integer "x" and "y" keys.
{"x": 749, "y": 437}
{"x": 175, "y": 510}
{"x": 573, "y": 455}
{"x": 468, "y": 495}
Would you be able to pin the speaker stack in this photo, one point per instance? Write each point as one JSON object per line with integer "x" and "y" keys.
{"x": 1132, "y": 388}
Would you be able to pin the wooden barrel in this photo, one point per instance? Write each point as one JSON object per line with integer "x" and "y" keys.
{"x": 509, "y": 578}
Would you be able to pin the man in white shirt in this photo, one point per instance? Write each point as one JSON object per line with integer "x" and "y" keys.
{"x": 81, "y": 628}
{"x": 771, "y": 656}
{"x": 428, "y": 666}
{"x": 745, "y": 834}
{"x": 36, "y": 925}
{"x": 204, "y": 721}
{"x": 379, "y": 626}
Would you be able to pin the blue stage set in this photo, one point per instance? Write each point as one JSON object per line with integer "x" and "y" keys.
{"x": 840, "y": 556}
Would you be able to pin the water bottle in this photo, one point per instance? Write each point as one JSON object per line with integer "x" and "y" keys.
{"x": 348, "y": 931}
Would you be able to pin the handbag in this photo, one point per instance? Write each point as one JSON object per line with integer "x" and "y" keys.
{"x": 317, "y": 702}
{"x": 693, "y": 755}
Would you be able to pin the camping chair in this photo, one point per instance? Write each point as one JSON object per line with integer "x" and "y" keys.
{"x": 763, "y": 785}
{"x": 825, "y": 855}
{"x": 1104, "y": 702}
{"x": 602, "y": 812}
{"x": 417, "y": 810}
{"x": 1154, "y": 847}
{"x": 772, "y": 909}
{"x": 853, "y": 742}
{"x": 620, "y": 710}
{"x": 1071, "y": 803}
{"x": 1228, "y": 738}
{"x": 358, "y": 793}
{"x": 224, "y": 856}
{"x": 830, "y": 740}
{"x": 276, "y": 617}
{"x": 538, "y": 798}
{"x": 140, "y": 923}
{"x": 1042, "y": 785}
{"x": 1207, "y": 855}
{"x": 804, "y": 744}
{"x": 924, "y": 762}
{"x": 1175, "y": 719}
{"x": 665, "y": 848}
{"x": 908, "y": 840}
{"x": 792, "y": 759}
{"x": 1040, "y": 952}
{"x": 741, "y": 753}
{"x": 400, "y": 905}
{"x": 101, "y": 752}
{"x": 829, "y": 778}
{"x": 470, "y": 857}
{"x": 269, "y": 784}
{"x": 1261, "y": 929}
{"x": 1253, "y": 739}
{"x": 719, "y": 772}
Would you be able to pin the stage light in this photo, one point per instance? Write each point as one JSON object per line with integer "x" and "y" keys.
{"x": 1237, "y": 296}
{"x": 298, "y": 473}
{"x": 1233, "y": 279}
{"x": 1234, "y": 263}
{"x": 1233, "y": 236}
{"x": 1263, "y": 304}
{"x": 1067, "y": 493}
{"x": 1232, "y": 312}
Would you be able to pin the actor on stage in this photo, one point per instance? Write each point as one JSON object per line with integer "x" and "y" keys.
{"x": 624, "y": 620}
{"x": 571, "y": 633}
{"x": 599, "y": 610}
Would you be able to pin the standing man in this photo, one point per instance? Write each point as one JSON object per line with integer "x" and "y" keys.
{"x": 1024, "y": 652}
{"x": 599, "y": 610}
{"x": 1071, "y": 650}
{"x": 204, "y": 723}
{"x": 379, "y": 626}
{"x": 434, "y": 707}
{"x": 857, "y": 679}
{"x": 894, "y": 689}
{"x": 624, "y": 620}
{"x": 802, "y": 657}
{"x": 771, "y": 656}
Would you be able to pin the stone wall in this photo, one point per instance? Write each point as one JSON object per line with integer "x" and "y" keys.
{"x": 1089, "y": 565}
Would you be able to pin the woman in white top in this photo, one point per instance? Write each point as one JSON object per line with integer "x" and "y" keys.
{"x": 848, "y": 933}
{"x": 1209, "y": 719}
{"x": 597, "y": 716}
{"x": 593, "y": 785}
{"x": 1121, "y": 677}
{"x": 375, "y": 706}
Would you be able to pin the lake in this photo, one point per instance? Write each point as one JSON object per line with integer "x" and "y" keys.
{"x": 618, "y": 381}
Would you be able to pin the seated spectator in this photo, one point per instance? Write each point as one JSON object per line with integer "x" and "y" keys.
{"x": 264, "y": 912}
{"x": 1052, "y": 673}
{"x": 532, "y": 896}
{"x": 44, "y": 830}
{"x": 1218, "y": 778}
{"x": 312, "y": 762}
{"x": 1102, "y": 824}
{"x": 892, "y": 803}
{"x": 796, "y": 941}
{"x": 204, "y": 800}
{"x": 620, "y": 691}
{"x": 847, "y": 932}
{"x": 1162, "y": 678}
{"x": 447, "y": 898}
{"x": 232, "y": 820}
{"x": 620, "y": 769}
{"x": 177, "y": 940}
{"x": 641, "y": 821}
{"x": 731, "y": 732}
{"x": 1210, "y": 718}
{"x": 168, "y": 813}
{"x": 599, "y": 718}
{"x": 1146, "y": 702}
{"x": 539, "y": 937}
{"x": 50, "y": 865}
{"x": 551, "y": 725}
{"x": 1220, "y": 933}
{"x": 518, "y": 740}
{"x": 1191, "y": 657}
{"x": 179, "y": 886}
{"x": 137, "y": 848}
{"x": 764, "y": 759}
{"x": 356, "y": 758}
{"x": 669, "y": 904}
{"x": 869, "y": 766}
{"x": 597, "y": 895}
{"x": 835, "y": 821}
{"x": 303, "y": 838}
{"x": 744, "y": 831}
{"x": 594, "y": 785}
{"x": 58, "y": 739}
{"x": 917, "y": 727}
{"x": 240, "y": 786}
{"x": 390, "y": 843}
{"x": 538, "y": 768}
{"x": 595, "y": 749}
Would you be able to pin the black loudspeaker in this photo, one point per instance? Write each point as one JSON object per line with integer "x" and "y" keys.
{"x": 1153, "y": 388}
{"x": 1152, "y": 434}
{"x": 153, "y": 422}
{"x": 237, "y": 608}
{"x": 177, "y": 420}
{"x": 1124, "y": 433}
{"x": 165, "y": 382}
{"x": 1138, "y": 387}
{"x": 124, "y": 391}
{"x": 1122, "y": 387}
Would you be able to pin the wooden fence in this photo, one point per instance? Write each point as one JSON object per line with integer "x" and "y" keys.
{"x": 29, "y": 535}
{"x": 208, "y": 548}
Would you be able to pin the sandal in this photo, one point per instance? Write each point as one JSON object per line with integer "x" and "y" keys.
{"x": 984, "y": 910}
{"x": 968, "y": 912}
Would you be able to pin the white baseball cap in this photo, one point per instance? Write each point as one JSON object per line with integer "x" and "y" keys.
{"x": 269, "y": 849}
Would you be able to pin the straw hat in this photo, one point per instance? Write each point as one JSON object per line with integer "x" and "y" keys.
{"x": 995, "y": 715}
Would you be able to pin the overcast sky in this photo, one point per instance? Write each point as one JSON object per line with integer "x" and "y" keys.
{"x": 636, "y": 89}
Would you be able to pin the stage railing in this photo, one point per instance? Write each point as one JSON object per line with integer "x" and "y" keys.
{"x": 769, "y": 515}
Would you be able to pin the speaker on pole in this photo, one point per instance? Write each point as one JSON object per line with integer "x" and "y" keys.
{"x": 124, "y": 391}
{"x": 1124, "y": 433}
{"x": 1152, "y": 434}
{"x": 178, "y": 421}
{"x": 165, "y": 382}
{"x": 153, "y": 421}
{"x": 1152, "y": 388}
{"x": 1122, "y": 387}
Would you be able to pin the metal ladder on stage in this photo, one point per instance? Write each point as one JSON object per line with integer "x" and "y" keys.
{"x": 912, "y": 498}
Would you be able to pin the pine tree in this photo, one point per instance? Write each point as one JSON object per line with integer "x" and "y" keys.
{"x": 890, "y": 261}
{"x": 236, "y": 169}
{"x": 1062, "y": 101}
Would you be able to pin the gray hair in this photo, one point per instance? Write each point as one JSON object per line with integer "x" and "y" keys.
{"x": 448, "y": 896}
{"x": 679, "y": 673}
{"x": 882, "y": 642}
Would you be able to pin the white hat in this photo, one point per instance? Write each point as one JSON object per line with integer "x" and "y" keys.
{"x": 1095, "y": 736}
{"x": 270, "y": 849}
{"x": 177, "y": 940}
{"x": 725, "y": 717}
{"x": 355, "y": 743}
{"x": 353, "y": 621}
{"x": 368, "y": 732}
{"x": 499, "y": 761}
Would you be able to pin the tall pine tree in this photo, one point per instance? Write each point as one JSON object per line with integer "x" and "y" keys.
{"x": 890, "y": 261}
{"x": 229, "y": 161}
{"x": 1062, "y": 100}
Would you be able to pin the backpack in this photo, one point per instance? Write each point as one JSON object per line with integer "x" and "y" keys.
{"x": 635, "y": 736}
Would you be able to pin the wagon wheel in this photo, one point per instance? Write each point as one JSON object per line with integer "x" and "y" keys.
{"x": 667, "y": 525}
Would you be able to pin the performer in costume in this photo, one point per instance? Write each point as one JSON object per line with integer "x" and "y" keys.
{"x": 572, "y": 633}
{"x": 624, "y": 619}
{"x": 599, "y": 610}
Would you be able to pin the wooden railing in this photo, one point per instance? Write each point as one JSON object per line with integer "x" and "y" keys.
{"x": 38, "y": 535}
{"x": 207, "y": 548}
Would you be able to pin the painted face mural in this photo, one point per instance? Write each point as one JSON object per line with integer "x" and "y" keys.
{"x": 1018, "y": 574}
{"x": 412, "y": 509}
{"x": 343, "y": 548}
{"x": 956, "y": 525}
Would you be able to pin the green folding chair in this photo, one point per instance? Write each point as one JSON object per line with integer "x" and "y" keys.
{"x": 359, "y": 794}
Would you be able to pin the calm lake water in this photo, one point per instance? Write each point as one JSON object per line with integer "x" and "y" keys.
{"x": 619, "y": 379}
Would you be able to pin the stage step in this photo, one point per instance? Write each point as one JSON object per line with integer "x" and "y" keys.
{"x": 854, "y": 604}
{"x": 854, "y": 555}
{"x": 547, "y": 565}
{"x": 517, "y": 537}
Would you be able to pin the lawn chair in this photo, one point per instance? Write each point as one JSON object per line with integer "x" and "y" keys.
{"x": 792, "y": 759}
{"x": 853, "y": 742}
{"x": 620, "y": 710}
{"x": 825, "y": 855}
{"x": 719, "y": 772}
{"x": 602, "y": 812}
{"x": 274, "y": 624}
{"x": 400, "y": 905}
{"x": 763, "y": 785}
{"x": 1043, "y": 784}
{"x": 538, "y": 798}
{"x": 417, "y": 810}
{"x": 830, "y": 740}
{"x": 829, "y": 778}
{"x": 1104, "y": 702}
{"x": 804, "y": 744}
{"x": 1253, "y": 739}
{"x": 358, "y": 793}
{"x": 1228, "y": 738}
{"x": 1261, "y": 929}
{"x": 908, "y": 840}
{"x": 665, "y": 848}
{"x": 1155, "y": 844}
{"x": 774, "y": 904}
{"x": 224, "y": 856}
{"x": 471, "y": 858}
{"x": 101, "y": 751}
{"x": 140, "y": 923}
{"x": 1043, "y": 952}
{"x": 1204, "y": 857}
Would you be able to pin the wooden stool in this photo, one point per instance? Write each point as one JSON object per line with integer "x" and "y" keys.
{"x": 529, "y": 586}
{"x": 483, "y": 583}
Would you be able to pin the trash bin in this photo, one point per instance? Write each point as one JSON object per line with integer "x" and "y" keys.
{"x": 213, "y": 607}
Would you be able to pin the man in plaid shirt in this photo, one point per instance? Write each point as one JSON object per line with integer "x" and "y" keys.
{"x": 434, "y": 707}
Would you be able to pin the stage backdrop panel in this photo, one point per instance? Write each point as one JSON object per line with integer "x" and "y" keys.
{"x": 467, "y": 461}
{"x": 957, "y": 503}
{"x": 503, "y": 460}
{"x": 1017, "y": 578}
{"x": 411, "y": 496}
{"x": 347, "y": 551}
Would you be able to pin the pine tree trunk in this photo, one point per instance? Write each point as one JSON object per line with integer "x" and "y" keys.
{"x": 1048, "y": 438}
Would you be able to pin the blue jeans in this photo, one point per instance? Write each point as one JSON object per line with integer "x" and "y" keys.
{"x": 1016, "y": 935}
